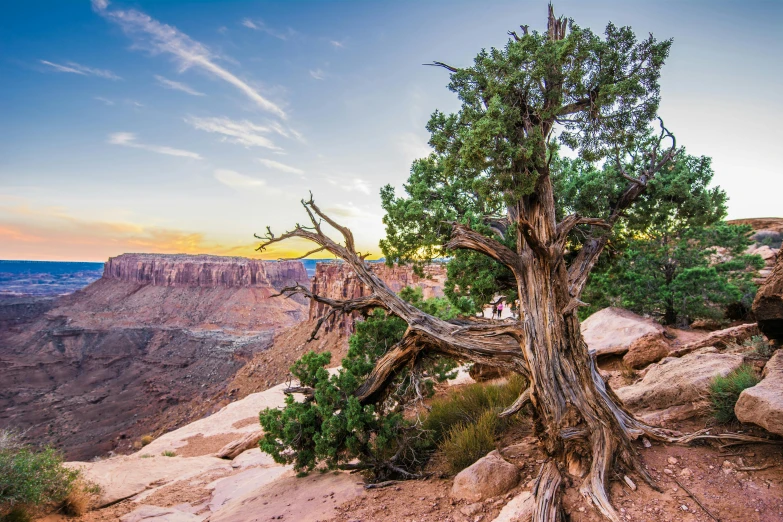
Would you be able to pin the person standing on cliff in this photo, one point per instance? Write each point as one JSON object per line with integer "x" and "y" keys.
{"x": 494, "y": 310}
{"x": 500, "y": 309}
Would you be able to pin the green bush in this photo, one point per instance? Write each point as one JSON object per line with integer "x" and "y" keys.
{"x": 465, "y": 442}
{"x": 760, "y": 346}
{"x": 31, "y": 481}
{"x": 331, "y": 428}
{"x": 725, "y": 391}
{"x": 169, "y": 453}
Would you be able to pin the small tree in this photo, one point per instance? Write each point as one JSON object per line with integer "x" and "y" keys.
{"x": 331, "y": 428}
{"x": 681, "y": 275}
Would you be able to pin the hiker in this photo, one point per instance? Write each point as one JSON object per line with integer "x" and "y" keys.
{"x": 494, "y": 310}
{"x": 500, "y": 309}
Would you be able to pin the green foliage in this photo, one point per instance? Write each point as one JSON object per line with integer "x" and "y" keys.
{"x": 331, "y": 427}
{"x": 760, "y": 346}
{"x": 679, "y": 275}
{"x": 725, "y": 391}
{"x": 31, "y": 481}
{"x": 468, "y": 403}
{"x": 169, "y": 453}
{"x": 465, "y": 443}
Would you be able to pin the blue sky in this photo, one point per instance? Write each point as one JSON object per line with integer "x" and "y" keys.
{"x": 174, "y": 126}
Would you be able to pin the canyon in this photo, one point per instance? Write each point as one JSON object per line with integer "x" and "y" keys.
{"x": 161, "y": 340}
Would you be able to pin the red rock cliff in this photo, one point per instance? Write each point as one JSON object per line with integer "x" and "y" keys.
{"x": 338, "y": 281}
{"x": 181, "y": 270}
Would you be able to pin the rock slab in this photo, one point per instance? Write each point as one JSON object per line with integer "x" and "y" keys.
{"x": 678, "y": 381}
{"x": 488, "y": 477}
{"x": 763, "y": 404}
{"x": 768, "y": 304}
{"x": 611, "y": 331}
{"x": 646, "y": 350}
{"x": 519, "y": 509}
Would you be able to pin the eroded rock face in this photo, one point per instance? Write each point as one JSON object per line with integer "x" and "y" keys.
{"x": 763, "y": 404}
{"x": 339, "y": 281}
{"x": 720, "y": 339}
{"x": 611, "y": 331}
{"x": 488, "y": 477}
{"x": 768, "y": 305}
{"x": 131, "y": 352}
{"x": 678, "y": 381}
{"x": 646, "y": 350}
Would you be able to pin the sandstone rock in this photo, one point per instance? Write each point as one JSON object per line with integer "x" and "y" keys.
{"x": 768, "y": 304}
{"x": 126, "y": 476}
{"x": 489, "y": 476}
{"x": 240, "y": 445}
{"x": 339, "y": 281}
{"x": 309, "y": 499}
{"x": 646, "y": 350}
{"x": 612, "y": 330}
{"x": 145, "y": 513}
{"x": 674, "y": 381}
{"x": 253, "y": 479}
{"x": 252, "y": 458}
{"x": 719, "y": 339}
{"x": 519, "y": 509}
{"x": 763, "y": 404}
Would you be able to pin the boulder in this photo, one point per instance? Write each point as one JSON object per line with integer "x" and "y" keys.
{"x": 519, "y": 509}
{"x": 768, "y": 304}
{"x": 146, "y": 513}
{"x": 611, "y": 331}
{"x": 763, "y": 404}
{"x": 488, "y": 477}
{"x": 646, "y": 350}
{"x": 483, "y": 372}
{"x": 719, "y": 339}
{"x": 673, "y": 381}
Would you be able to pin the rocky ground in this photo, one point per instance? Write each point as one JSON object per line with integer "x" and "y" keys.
{"x": 697, "y": 483}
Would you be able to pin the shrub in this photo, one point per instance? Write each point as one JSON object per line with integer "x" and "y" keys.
{"x": 146, "y": 439}
{"x": 169, "y": 453}
{"x": 465, "y": 443}
{"x": 468, "y": 404}
{"x": 31, "y": 481}
{"x": 80, "y": 498}
{"x": 760, "y": 346}
{"x": 725, "y": 391}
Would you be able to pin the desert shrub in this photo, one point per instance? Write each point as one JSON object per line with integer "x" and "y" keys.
{"x": 725, "y": 391}
{"x": 769, "y": 238}
{"x": 80, "y": 498}
{"x": 468, "y": 404}
{"x": 466, "y": 442}
{"x": 169, "y": 453}
{"x": 146, "y": 439}
{"x": 331, "y": 428}
{"x": 760, "y": 346}
{"x": 31, "y": 481}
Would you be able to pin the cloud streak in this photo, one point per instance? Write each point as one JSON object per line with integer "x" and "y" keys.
{"x": 259, "y": 25}
{"x": 160, "y": 38}
{"x": 235, "y": 180}
{"x": 242, "y": 132}
{"x": 318, "y": 74}
{"x": 282, "y": 167}
{"x": 177, "y": 86}
{"x": 83, "y": 70}
{"x": 128, "y": 139}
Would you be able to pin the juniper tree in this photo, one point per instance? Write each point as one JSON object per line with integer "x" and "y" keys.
{"x": 596, "y": 95}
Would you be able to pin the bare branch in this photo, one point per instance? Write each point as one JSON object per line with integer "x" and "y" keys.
{"x": 441, "y": 64}
{"x": 311, "y": 252}
{"x": 463, "y": 237}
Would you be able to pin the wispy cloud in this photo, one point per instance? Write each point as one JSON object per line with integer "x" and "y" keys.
{"x": 177, "y": 86}
{"x": 259, "y": 25}
{"x": 158, "y": 38}
{"x": 105, "y": 101}
{"x": 282, "y": 167}
{"x": 242, "y": 132}
{"x": 75, "y": 68}
{"x": 318, "y": 74}
{"x": 337, "y": 44}
{"x": 351, "y": 184}
{"x": 128, "y": 139}
{"x": 236, "y": 180}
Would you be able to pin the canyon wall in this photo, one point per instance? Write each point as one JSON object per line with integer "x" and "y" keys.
{"x": 134, "y": 351}
{"x": 337, "y": 280}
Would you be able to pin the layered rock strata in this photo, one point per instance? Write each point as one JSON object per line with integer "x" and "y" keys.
{"x": 133, "y": 351}
{"x": 338, "y": 281}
